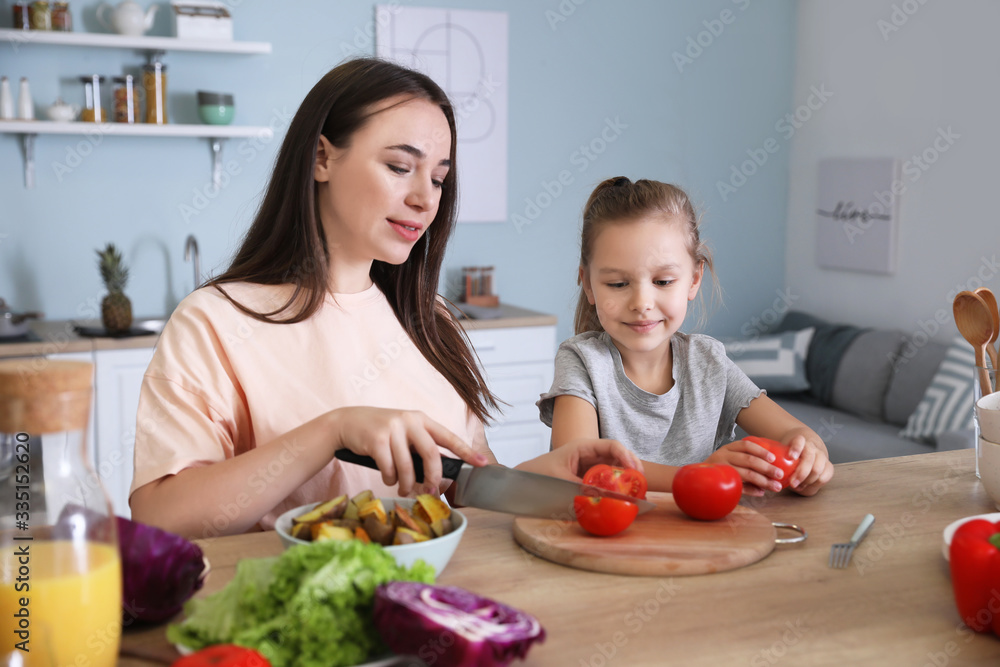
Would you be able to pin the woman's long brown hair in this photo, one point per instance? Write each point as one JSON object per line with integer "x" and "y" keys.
{"x": 286, "y": 244}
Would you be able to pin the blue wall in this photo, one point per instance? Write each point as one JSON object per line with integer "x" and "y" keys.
{"x": 573, "y": 69}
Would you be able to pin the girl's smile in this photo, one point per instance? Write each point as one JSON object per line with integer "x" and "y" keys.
{"x": 640, "y": 279}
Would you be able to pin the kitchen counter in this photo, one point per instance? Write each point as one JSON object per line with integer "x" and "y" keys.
{"x": 59, "y": 336}
{"x": 892, "y": 606}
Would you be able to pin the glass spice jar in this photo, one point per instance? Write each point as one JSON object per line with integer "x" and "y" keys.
{"x": 22, "y": 16}
{"x": 125, "y": 108}
{"x": 92, "y": 112}
{"x": 41, "y": 15}
{"x": 62, "y": 20}
{"x": 154, "y": 88}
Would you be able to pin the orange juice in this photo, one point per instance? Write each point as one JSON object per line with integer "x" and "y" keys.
{"x": 73, "y": 596}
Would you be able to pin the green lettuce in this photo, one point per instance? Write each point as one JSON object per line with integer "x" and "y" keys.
{"x": 311, "y": 606}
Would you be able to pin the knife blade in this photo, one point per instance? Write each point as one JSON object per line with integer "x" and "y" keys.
{"x": 501, "y": 489}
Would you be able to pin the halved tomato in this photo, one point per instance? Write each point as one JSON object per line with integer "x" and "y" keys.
{"x": 622, "y": 480}
{"x": 604, "y": 516}
{"x": 609, "y": 516}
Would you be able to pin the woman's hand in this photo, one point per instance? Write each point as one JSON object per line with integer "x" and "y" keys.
{"x": 574, "y": 458}
{"x": 753, "y": 463}
{"x": 388, "y": 437}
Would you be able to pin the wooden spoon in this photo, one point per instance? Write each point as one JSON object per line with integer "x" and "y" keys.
{"x": 976, "y": 326}
{"x": 986, "y": 294}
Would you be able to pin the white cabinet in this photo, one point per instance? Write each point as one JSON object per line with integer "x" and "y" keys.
{"x": 518, "y": 363}
{"x": 118, "y": 378}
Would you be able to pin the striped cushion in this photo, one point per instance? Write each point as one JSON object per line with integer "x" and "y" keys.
{"x": 775, "y": 363}
{"x": 947, "y": 404}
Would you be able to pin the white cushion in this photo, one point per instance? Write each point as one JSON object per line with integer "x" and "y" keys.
{"x": 775, "y": 363}
{"x": 947, "y": 404}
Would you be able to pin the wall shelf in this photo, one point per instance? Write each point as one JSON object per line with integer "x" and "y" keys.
{"x": 216, "y": 134}
{"x": 132, "y": 129}
{"x": 142, "y": 43}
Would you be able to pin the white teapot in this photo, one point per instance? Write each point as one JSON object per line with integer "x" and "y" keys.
{"x": 127, "y": 17}
{"x": 62, "y": 111}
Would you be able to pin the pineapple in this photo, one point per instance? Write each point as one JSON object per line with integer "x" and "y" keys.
{"x": 116, "y": 309}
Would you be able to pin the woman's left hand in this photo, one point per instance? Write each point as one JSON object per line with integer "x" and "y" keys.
{"x": 574, "y": 458}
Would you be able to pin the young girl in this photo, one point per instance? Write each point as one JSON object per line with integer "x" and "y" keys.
{"x": 630, "y": 374}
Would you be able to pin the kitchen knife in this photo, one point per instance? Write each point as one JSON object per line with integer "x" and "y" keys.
{"x": 501, "y": 489}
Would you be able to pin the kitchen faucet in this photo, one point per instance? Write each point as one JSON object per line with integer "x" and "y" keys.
{"x": 191, "y": 252}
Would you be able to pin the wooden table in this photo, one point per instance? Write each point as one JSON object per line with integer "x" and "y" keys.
{"x": 892, "y": 606}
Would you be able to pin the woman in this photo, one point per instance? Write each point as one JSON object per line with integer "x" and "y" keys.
{"x": 325, "y": 331}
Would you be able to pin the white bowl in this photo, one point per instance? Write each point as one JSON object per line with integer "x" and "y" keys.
{"x": 949, "y": 531}
{"x": 436, "y": 552}
{"x": 988, "y": 416}
{"x": 989, "y": 469}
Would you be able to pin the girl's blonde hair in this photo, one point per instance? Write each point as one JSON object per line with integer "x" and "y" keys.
{"x": 618, "y": 200}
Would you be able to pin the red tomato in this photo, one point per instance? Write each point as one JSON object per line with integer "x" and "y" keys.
{"x": 707, "y": 491}
{"x": 787, "y": 465}
{"x": 223, "y": 655}
{"x": 622, "y": 480}
{"x": 608, "y": 516}
{"x": 604, "y": 516}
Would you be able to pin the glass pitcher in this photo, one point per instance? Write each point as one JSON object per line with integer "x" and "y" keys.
{"x": 60, "y": 570}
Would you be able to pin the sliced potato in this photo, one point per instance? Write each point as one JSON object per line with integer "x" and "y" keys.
{"x": 364, "y": 517}
{"x": 406, "y": 520}
{"x": 408, "y": 536}
{"x": 331, "y": 509}
{"x": 375, "y": 507}
{"x": 378, "y": 532}
{"x": 363, "y": 497}
{"x": 302, "y": 531}
{"x": 350, "y": 524}
{"x": 325, "y": 530}
{"x": 441, "y": 527}
{"x": 431, "y": 508}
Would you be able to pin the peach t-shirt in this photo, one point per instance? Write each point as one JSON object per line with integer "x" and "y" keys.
{"x": 222, "y": 382}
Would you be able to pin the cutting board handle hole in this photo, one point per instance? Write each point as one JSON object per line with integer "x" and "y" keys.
{"x": 801, "y": 537}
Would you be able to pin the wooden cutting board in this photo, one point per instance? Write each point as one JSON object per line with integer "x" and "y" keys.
{"x": 661, "y": 542}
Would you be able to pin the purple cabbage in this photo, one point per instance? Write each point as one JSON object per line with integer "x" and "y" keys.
{"x": 160, "y": 571}
{"x": 452, "y": 627}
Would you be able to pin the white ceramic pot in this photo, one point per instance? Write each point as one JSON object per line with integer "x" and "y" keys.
{"x": 127, "y": 17}
{"x": 62, "y": 111}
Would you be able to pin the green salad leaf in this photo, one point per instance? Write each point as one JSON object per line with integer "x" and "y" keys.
{"x": 311, "y": 606}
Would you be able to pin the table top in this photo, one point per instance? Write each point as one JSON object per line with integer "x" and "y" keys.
{"x": 892, "y": 606}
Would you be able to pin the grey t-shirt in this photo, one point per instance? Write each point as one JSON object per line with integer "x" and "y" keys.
{"x": 685, "y": 425}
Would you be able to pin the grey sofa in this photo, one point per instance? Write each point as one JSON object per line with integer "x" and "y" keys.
{"x": 864, "y": 385}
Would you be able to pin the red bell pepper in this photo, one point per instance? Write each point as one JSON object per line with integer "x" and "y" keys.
{"x": 974, "y": 557}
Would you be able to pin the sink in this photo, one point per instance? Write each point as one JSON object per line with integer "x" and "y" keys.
{"x": 153, "y": 325}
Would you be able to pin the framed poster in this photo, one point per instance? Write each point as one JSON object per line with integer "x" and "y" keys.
{"x": 857, "y": 214}
{"x": 465, "y": 52}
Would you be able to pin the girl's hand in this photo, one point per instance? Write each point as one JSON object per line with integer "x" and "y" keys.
{"x": 814, "y": 470}
{"x": 576, "y": 457}
{"x": 388, "y": 436}
{"x": 753, "y": 463}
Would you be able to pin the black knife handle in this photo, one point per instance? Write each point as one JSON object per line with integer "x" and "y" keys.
{"x": 449, "y": 466}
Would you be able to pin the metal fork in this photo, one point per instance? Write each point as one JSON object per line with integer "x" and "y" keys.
{"x": 840, "y": 553}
